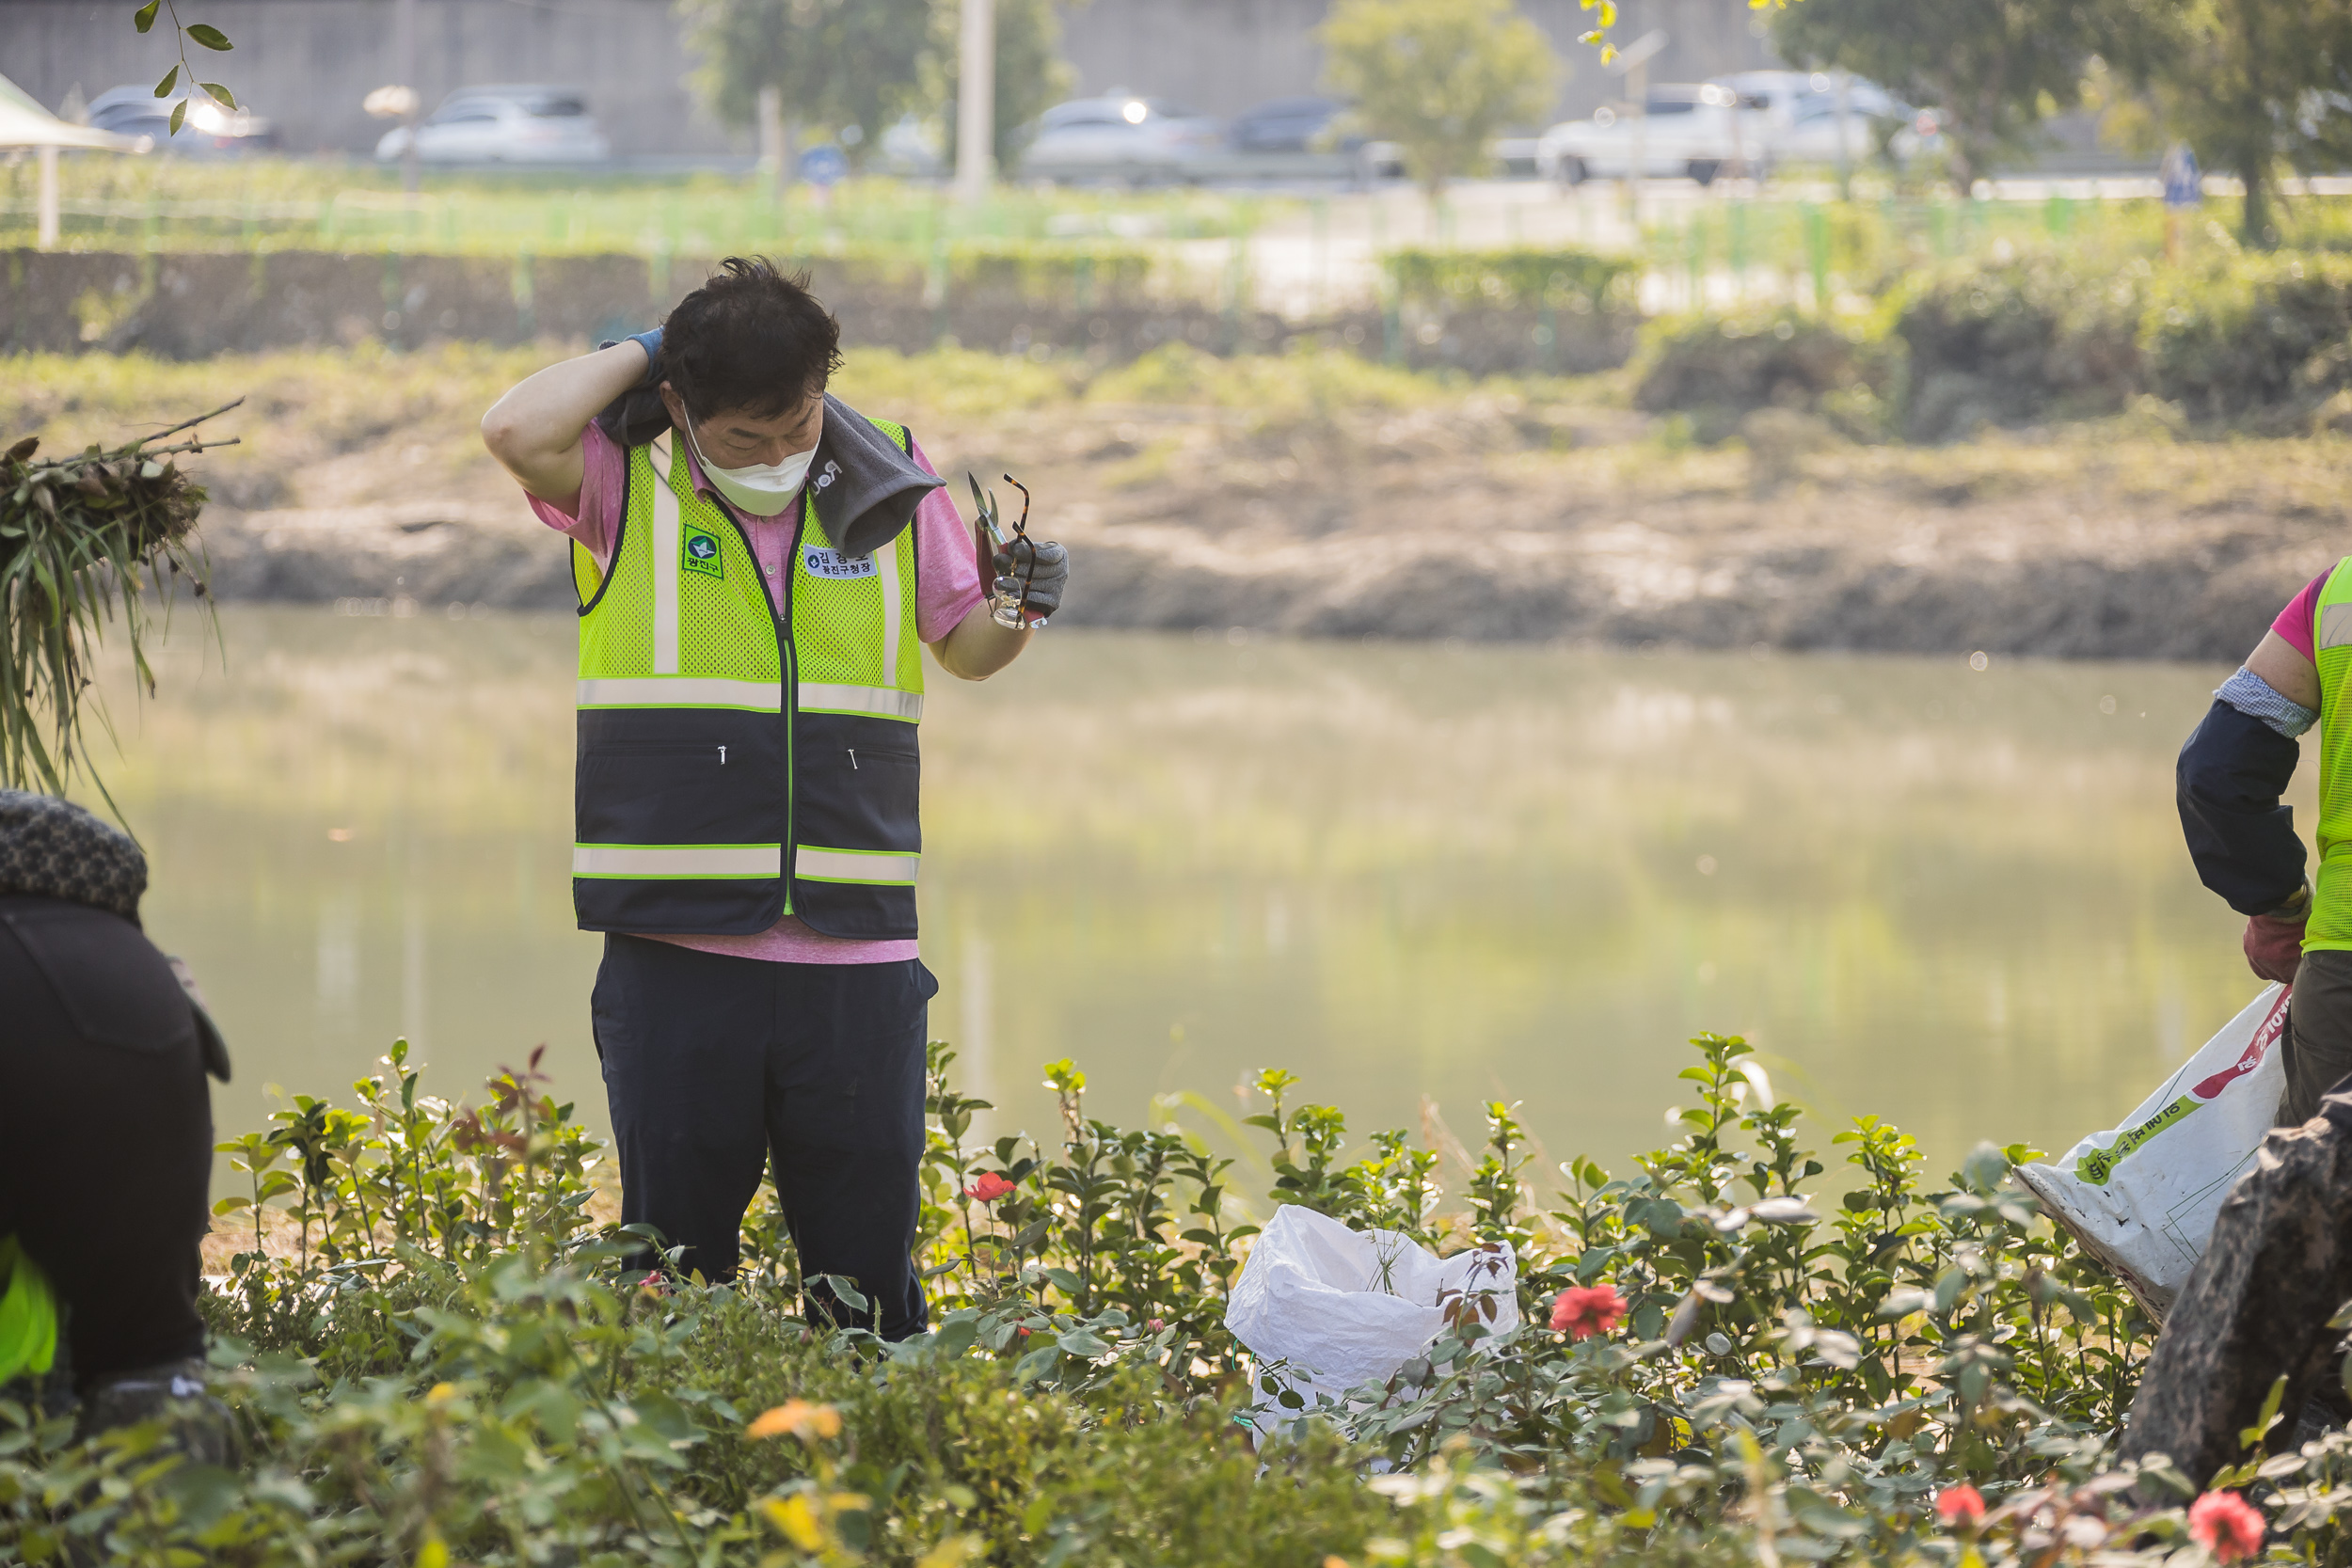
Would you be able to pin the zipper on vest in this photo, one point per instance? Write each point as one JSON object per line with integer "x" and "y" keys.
{"x": 789, "y": 666}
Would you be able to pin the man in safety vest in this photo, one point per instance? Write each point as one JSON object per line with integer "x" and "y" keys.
{"x": 2231, "y": 773}
{"x": 757, "y": 567}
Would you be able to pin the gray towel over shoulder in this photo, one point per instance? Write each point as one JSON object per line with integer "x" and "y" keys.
{"x": 866, "y": 488}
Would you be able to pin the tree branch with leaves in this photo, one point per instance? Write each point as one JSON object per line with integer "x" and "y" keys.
{"x": 201, "y": 34}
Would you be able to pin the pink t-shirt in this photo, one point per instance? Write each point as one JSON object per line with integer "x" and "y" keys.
{"x": 947, "y": 586}
{"x": 2299, "y": 622}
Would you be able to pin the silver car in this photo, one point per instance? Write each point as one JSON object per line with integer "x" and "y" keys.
{"x": 1138, "y": 141}
{"x": 504, "y": 125}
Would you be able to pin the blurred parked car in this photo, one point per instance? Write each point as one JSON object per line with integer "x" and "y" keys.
{"x": 1121, "y": 137}
{"x": 1796, "y": 117}
{"x": 1293, "y": 125}
{"x": 209, "y": 131}
{"x": 910, "y": 147}
{"x": 1682, "y": 128}
{"x": 504, "y": 125}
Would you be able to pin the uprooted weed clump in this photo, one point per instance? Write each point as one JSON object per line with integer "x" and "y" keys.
{"x": 1770, "y": 1359}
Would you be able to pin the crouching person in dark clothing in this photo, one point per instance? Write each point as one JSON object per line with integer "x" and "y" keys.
{"x": 105, "y": 1130}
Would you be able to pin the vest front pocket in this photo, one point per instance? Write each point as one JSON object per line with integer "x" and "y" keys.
{"x": 862, "y": 798}
{"x": 672, "y": 791}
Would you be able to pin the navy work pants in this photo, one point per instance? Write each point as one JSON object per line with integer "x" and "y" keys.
{"x": 715, "y": 1065}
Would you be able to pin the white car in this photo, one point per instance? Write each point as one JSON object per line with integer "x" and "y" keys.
{"x": 504, "y": 125}
{"x": 1681, "y": 129}
{"x": 1121, "y": 137}
{"x": 1797, "y": 117}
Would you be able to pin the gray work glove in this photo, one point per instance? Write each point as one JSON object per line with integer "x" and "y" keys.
{"x": 1041, "y": 565}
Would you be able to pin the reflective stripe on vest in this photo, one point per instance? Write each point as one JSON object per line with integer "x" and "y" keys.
{"x": 870, "y": 867}
{"x": 718, "y": 739}
{"x": 2331, "y": 922}
{"x": 678, "y": 861}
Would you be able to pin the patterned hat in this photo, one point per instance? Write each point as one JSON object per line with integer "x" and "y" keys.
{"x": 53, "y": 847}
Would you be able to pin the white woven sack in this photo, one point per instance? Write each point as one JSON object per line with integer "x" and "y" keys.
{"x": 2142, "y": 1199}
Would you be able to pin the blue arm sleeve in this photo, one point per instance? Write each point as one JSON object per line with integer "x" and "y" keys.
{"x": 2229, "y": 780}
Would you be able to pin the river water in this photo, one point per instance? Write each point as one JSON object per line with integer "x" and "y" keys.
{"x": 1420, "y": 876}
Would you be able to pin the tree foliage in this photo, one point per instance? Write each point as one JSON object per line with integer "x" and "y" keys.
{"x": 1439, "y": 77}
{"x": 1994, "y": 69}
{"x": 2253, "y": 86}
{"x": 863, "y": 63}
{"x": 838, "y": 63}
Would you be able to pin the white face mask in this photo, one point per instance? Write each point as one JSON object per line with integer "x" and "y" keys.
{"x": 763, "y": 489}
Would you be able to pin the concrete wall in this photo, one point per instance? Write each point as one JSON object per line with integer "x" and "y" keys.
{"x": 1220, "y": 56}
{"x": 308, "y": 63}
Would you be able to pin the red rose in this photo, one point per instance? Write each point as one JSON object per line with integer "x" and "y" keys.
{"x": 1585, "y": 1310}
{"x": 1959, "y": 1505}
{"x": 989, "y": 1188}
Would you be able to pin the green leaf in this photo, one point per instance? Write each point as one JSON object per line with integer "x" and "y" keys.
{"x": 146, "y": 18}
{"x": 163, "y": 88}
{"x": 209, "y": 36}
{"x": 179, "y": 115}
{"x": 221, "y": 95}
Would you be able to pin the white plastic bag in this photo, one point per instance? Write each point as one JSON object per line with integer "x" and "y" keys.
{"x": 1325, "y": 1308}
{"x": 2142, "y": 1199}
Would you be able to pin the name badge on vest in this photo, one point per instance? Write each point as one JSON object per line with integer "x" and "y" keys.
{"x": 824, "y": 563}
{"x": 698, "y": 551}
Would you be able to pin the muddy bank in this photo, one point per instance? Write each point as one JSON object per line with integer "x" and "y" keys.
{"x": 1430, "y": 526}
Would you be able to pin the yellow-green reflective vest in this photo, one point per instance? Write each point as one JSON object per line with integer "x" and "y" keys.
{"x": 2331, "y": 922}
{"x": 736, "y": 765}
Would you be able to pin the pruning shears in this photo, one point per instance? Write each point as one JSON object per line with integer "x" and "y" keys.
{"x": 990, "y": 540}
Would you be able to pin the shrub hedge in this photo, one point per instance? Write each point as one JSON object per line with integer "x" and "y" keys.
{"x": 1523, "y": 278}
{"x": 1733, "y": 364}
{"x": 2260, "y": 340}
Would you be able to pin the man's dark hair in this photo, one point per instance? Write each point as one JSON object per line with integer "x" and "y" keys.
{"x": 751, "y": 338}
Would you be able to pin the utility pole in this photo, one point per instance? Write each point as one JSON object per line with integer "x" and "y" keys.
{"x": 405, "y": 46}
{"x": 1845, "y": 144}
{"x": 772, "y": 153}
{"x": 976, "y": 101}
{"x": 1632, "y": 61}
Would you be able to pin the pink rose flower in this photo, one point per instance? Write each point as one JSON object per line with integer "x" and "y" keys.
{"x": 1961, "y": 1506}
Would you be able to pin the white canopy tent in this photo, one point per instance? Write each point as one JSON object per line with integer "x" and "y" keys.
{"x": 25, "y": 123}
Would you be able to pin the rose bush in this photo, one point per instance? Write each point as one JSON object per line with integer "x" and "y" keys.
{"x": 1750, "y": 1354}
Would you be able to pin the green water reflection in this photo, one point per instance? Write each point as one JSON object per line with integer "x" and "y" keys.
{"x": 1952, "y": 897}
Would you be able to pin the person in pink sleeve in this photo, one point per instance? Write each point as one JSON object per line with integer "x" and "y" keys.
{"x": 759, "y": 567}
{"x": 2232, "y": 774}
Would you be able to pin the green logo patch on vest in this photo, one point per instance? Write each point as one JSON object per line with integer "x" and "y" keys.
{"x": 698, "y": 551}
